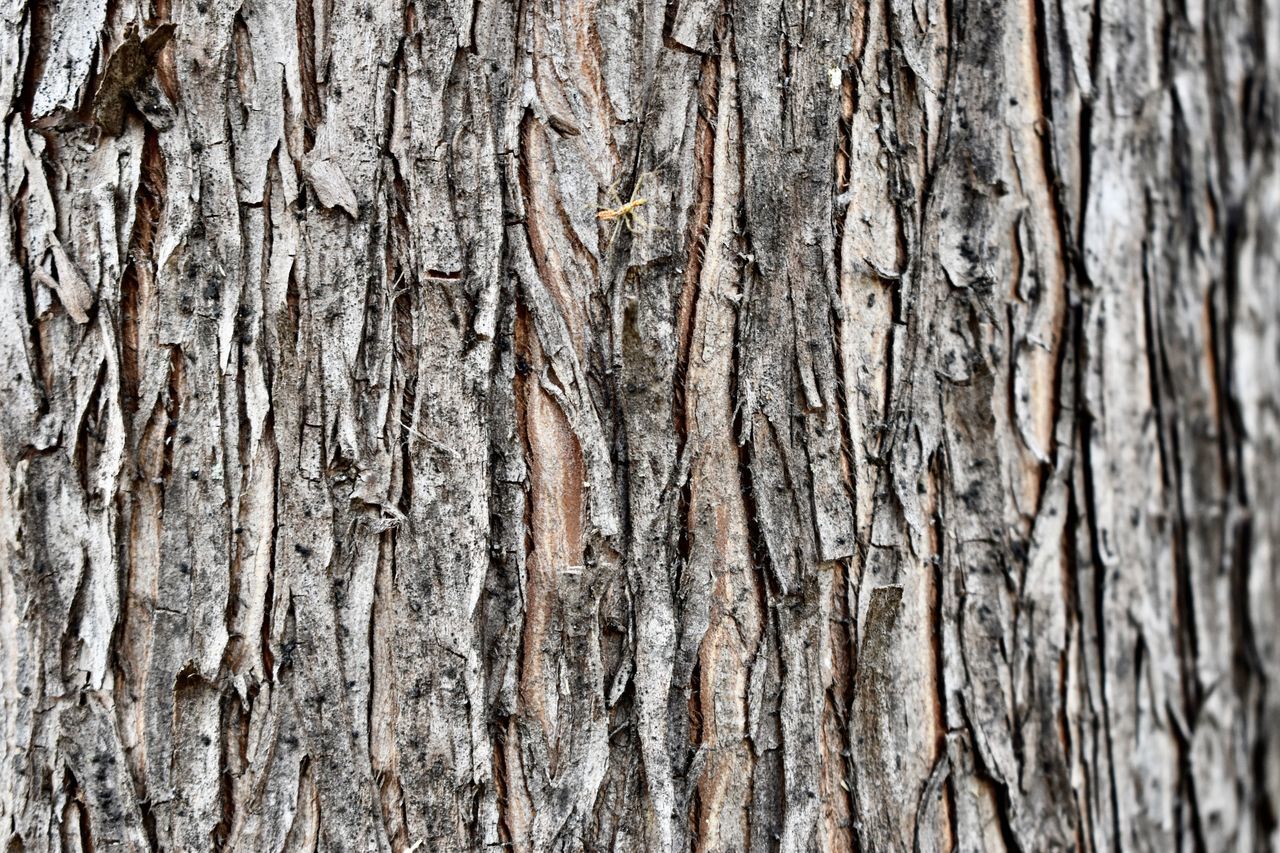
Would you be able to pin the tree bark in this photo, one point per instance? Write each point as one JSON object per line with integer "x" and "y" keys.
{"x": 899, "y": 471}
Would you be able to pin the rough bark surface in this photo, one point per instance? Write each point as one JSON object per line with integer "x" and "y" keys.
{"x": 907, "y": 479}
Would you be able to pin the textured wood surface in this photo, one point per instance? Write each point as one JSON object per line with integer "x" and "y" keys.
{"x": 903, "y": 474}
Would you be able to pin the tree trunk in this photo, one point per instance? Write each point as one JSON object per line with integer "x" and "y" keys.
{"x": 897, "y": 467}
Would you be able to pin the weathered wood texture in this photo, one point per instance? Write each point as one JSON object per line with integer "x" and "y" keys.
{"x": 908, "y": 480}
